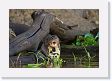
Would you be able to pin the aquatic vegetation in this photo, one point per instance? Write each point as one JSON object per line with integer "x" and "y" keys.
{"x": 89, "y": 57}
{"x": 86, "y": 40}
{"x": 57, "y": 62}
{"x": 44, "y": 62}
{"x": 75, "y": 59}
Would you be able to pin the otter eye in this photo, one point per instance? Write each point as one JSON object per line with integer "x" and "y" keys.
{"x": 54, "y": 42}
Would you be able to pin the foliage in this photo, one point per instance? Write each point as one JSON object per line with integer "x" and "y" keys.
{"x": 56, "y": 61}
{"x": 86, "y": 40}
{"x": 34, "y": 65}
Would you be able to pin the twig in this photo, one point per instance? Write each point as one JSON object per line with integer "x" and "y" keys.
{"x": 18, "y": 58}
{"x": 12, "y": 62}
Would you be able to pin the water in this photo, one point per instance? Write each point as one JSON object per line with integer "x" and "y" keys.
{"x": 78, "y": 58}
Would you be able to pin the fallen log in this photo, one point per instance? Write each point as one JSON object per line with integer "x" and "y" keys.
{"x": 16, "y": 61}
{"x": 19, "y": 28}
{"x": 68, "y": 33}
{"x": 31, "y": 38}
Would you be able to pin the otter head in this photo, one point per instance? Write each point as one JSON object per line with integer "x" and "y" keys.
{"x": 53, "y": 41}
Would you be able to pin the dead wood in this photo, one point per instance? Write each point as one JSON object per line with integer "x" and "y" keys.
{"x": 31, "y": 38}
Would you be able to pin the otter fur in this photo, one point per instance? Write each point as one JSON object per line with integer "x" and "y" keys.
{"x": 51, "y": 46}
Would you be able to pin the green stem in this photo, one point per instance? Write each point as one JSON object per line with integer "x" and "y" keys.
{"x": 89, "y": 57}
{"x": 75, "y": 59}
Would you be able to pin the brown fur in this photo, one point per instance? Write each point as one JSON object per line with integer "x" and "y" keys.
{"x": 51, "y": 41}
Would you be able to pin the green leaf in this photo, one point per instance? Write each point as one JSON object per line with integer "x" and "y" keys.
{"x": 57, "y": 62}
{"x": 89, "y": 35}
{"x": 78, "y": 43}
{"x": 34, "y": 65}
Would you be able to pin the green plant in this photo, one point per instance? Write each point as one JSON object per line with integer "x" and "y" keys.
{"x": 89, "y": 40}
{"x": 35, "y": 65}
{"x": 57, "y": 62}
{"x": 89, "y": 57}
{"x": 75, "y": 59}
{"x": 86, "y": 40}
{"x": 38, "y": 64}
{"x": 17, "y": 63}
{"x": 18, "y": 59}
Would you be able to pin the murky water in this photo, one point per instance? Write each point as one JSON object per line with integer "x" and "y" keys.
{"x": 79, "y": 64}
{"x": 77, "y": 58}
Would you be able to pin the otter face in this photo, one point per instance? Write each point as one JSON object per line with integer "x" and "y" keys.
{"x": 54, "y": 43}
{"x": 53, "y": 46}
